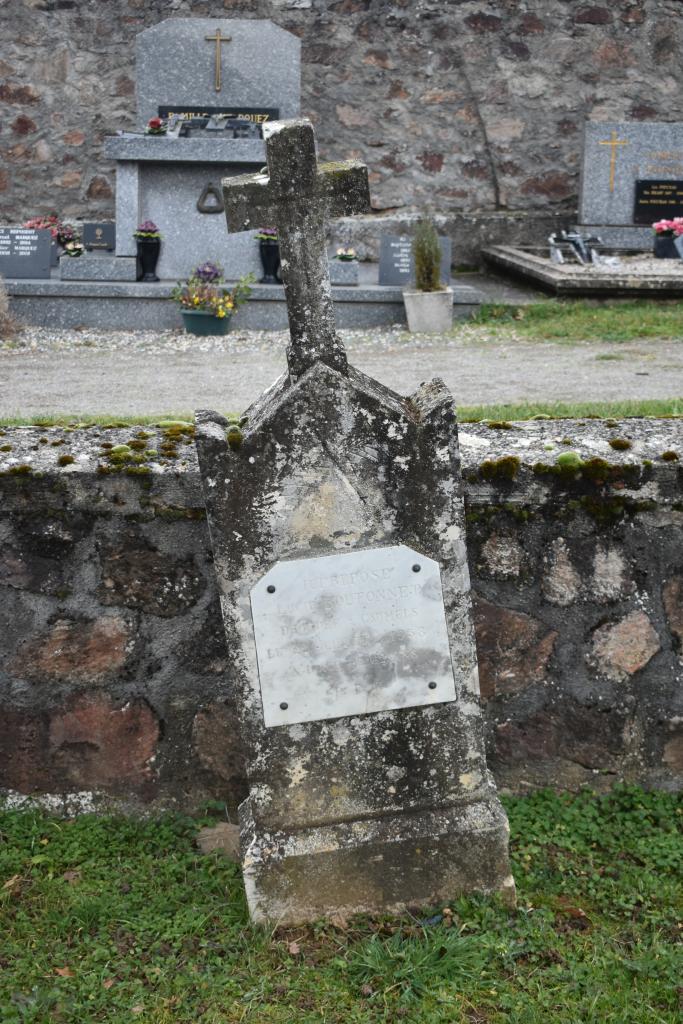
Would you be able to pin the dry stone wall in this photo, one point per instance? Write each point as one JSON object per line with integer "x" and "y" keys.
{"x": 466, "y": 109}
{"x": 115, "y": 679}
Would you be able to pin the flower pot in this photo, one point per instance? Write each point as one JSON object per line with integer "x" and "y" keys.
{"x": 147, "y": 257}
{"x": 54, "y": 253}
{"x": 270, "y": 261}
{"x": 664, "y": 248}
{"x": 429, "y": 312}
{"x": 198, "y": 321}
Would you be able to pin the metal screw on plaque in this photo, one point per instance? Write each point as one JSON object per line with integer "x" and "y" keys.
{"x": 432, "y": 686}
{"x": 270, "y": 589}
{"x": 284, "y": 705}
{"x": 416, "y": 568}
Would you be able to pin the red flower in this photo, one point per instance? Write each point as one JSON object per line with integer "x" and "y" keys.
{"x": 154, "y": 122}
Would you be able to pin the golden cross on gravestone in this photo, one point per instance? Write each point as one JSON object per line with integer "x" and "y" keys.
{"x": 218, "y": 39}
{"x": 613, "y": 142}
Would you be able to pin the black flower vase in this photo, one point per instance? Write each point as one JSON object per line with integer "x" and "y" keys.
{"x": 664, "y": 248}
{"x": 147, "y": 257}
{"x": 270, "y": 260}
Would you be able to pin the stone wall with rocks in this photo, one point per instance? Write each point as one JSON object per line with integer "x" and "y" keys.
{"x": 469, "y": 109}
{"x": 115, "y": 681}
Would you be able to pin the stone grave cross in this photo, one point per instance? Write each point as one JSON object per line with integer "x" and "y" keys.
{"x": 337, "y": 526}
{"x": 299, "y": 196}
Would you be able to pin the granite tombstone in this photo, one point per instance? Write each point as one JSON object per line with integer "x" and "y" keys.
{"x": 616, "y": 156}
{"x": 206, "y": 72}
{"x": 396, "y": 263}
{"x": 336, "y": 519}
{"x": 25, "y": 252}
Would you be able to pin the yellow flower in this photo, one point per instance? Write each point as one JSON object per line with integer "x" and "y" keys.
{"x": 221, "y": 312}
{"x": 196, "y": 300}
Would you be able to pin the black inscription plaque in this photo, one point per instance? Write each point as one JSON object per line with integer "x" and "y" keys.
{"x": 396, "y": 260}
{"x": 657, "y": 200}
{"x": 256, "y": 114}
{"x": 100, "y": 235}
{"x": 25, "y": 252}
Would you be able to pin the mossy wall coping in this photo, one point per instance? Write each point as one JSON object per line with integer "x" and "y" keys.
{"x": 529, "y": 461}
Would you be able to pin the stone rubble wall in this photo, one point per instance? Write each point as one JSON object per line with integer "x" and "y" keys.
{"x": 114, "y": 672}
{"x": 466, "y": 109}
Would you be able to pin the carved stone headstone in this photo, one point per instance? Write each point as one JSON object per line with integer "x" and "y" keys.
{"x": 337, "y": 525}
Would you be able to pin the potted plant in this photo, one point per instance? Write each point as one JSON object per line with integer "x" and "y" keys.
{"x": 429, "y": 306}
{"x": 344, "y": 267}
{"x": 666, "y": 231}
{"x": 269, "y": 249}
{"x": 207, "y": 306}
{"x": 148, "y": 240}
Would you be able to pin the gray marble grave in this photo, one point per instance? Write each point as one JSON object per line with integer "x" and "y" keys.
{"x": 200, "y": 65}
{"x": 336, "y": 518}
{"x": 615, "y": 156}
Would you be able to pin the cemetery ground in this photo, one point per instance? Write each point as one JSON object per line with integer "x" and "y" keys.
{"x": 548, "y": 351}
{"x": 112, "y": 920}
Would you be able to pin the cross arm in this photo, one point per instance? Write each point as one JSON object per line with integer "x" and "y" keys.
{"x": 249, "y": 202}
{"x": 344, "y": 186}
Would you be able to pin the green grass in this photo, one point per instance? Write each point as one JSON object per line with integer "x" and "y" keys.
{"x": 572, "y": 320}
{"x": 655, "y": 407}
{"x": 118, "y": 921}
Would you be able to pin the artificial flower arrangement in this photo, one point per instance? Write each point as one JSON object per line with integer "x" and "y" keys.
{"x": 73, "y": 248}
{"x": 203, "y": 292}
{"x": 669, "y": 228}
{"x": 147, "y": 230}
{"x": 156, "y": 126}
{"x": 346, "y": 255}
{"x": 266, "y": 235}
{"x": 62, "y": 233}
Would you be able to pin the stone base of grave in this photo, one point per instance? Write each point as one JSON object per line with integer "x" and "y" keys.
{"x": 97, "y": 268}
{"x": 382, "y": 865}
{"x": 662, "y": 278}
{"x": 620, "y": 236}
{"x": 123, "y": 305}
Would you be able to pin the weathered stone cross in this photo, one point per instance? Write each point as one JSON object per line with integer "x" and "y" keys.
{"x": 298, "y": 196}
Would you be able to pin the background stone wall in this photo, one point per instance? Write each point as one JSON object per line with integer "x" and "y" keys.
{"x": 115, "y": 680}
{"x": 466, "y": 108}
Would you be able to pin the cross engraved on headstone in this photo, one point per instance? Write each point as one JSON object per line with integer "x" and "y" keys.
{"x": 298, "y": 196}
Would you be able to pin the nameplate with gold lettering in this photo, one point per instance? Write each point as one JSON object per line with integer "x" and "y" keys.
{"x": 351, "y": 634}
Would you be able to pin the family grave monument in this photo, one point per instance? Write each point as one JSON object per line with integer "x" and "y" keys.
{"x": 198, "y": 68}
{"x": 336, "y": 520}
{"x": 632, "y": 175}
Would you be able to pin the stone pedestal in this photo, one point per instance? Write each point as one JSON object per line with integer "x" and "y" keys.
{"x": 352, "y": 811}
{"x": 97, "y": 268}
{"x": 344, "y": 272}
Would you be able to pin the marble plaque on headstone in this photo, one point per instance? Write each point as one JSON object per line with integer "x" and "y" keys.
{"x": 100, "y": 236}
{"x": 656, "y": 199}
{"x": 25, "y": 252}
{"x": 351, "y": 634}
{"x": 396, "y": 260}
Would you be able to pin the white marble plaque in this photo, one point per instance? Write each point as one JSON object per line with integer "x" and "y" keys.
{"x": 351, "y": 634}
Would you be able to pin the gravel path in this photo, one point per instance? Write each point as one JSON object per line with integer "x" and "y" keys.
{"x": 91, "y": 372}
